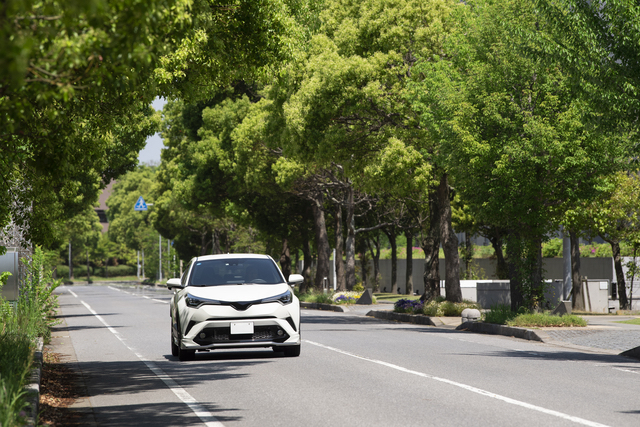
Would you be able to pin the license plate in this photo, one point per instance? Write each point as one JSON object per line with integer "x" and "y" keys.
{"x": 241, "y": 328}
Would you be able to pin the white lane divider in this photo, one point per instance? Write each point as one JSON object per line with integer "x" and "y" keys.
{"x": 143, "y": 296}
{"x": 200, "y": 411}
{"x": 465, "y": 387}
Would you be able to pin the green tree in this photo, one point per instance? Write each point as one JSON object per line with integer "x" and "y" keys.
{"x": 614, "y": 217}
{"x": 81, "y": 233}
{"x": 516, "y": 140}
{"x": 77, "y": 78}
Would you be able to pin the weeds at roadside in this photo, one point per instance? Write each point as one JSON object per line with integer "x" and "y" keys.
{"x": 22, "y": 324}
{"x": 501, "y": 314}
{"x": 437, "y": 307}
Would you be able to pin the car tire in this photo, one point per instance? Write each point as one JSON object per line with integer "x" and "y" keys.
{"x": 292, "y": 351}
{"x": 183, "y": 355}
{"x": 175, "y": 349}
{"x": 186, "y": 355}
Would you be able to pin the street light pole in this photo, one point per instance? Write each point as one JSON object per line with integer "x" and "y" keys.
{"x": 159, "y": 257}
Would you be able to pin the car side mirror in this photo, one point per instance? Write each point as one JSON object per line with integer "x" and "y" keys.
{"x": 174, "y": 284}
{"x": 295, "y": 279}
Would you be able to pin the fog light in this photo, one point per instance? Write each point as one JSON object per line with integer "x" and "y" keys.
{"x": 203, "y": 335}
{"x": 280, "y": 332}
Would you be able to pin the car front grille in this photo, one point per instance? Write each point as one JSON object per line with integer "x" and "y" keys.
{"x": 223, "y": 335}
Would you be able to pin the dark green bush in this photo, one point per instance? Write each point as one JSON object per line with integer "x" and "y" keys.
{"x": 81, "y": 271}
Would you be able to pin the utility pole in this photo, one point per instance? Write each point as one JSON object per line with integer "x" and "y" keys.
{"x": 159, "y": 257}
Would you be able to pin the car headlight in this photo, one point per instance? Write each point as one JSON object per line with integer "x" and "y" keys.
{"x": 284, "y": 299}
{"x": 195, "y": 302}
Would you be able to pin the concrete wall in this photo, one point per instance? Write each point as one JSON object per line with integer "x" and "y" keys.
{"x": 592, "y": 268}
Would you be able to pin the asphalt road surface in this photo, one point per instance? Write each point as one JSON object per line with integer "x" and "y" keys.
{"x": 353, "y": 371}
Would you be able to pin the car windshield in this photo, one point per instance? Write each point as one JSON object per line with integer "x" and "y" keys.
{"x": 216, "y": 272}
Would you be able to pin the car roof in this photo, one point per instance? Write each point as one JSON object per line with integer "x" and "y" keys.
{"x": 232, "y": 256}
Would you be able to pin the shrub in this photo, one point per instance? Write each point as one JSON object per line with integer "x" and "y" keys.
{"x": 499, "y": 314}
{"x": 546, "y": 320}
{"x": 439, "y": 307}
{"x": 408, "y": 306}
{"x": 317, "y": 297}
{"x": 552, "y": 248}
{"x": 21, "y": 326}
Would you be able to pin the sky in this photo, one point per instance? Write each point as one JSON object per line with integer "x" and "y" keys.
{"x": 151, "y": 153}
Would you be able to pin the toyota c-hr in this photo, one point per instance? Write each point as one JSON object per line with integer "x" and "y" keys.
{"x": 234, "y": 301}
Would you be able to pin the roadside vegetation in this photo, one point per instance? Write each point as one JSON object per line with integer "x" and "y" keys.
{"x": 22, "y": 325}
{"x": 502, "y": 314}
{"x": 338, "y": 298}
{"x": 437, "y": 307}
{"x": 499, "y": 314}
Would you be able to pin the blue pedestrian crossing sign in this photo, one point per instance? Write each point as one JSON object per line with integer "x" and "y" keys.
{"x": 140, "y": 205}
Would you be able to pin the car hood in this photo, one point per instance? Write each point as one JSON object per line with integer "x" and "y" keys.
{"x": 231, "y": 293}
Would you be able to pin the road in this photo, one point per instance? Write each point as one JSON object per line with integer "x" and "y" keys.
{"x": 353, "y": 371}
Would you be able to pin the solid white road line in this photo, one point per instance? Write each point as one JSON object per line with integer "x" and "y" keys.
{"x": 466, "y": 387}
{"x": 207, "y": 418}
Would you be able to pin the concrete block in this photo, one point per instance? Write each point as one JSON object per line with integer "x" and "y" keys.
{"x": 366, "y": 298}
{"x": 563, "y": 308}
{"x": 470, "y": 315}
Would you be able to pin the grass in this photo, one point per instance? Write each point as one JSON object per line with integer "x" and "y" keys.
{"x": 338, "y": 298}
{"x": 631, "y": 321}
{"x": 384, "y": 297}
{"x": 501, "y": 314}
{"x": 433, "y": 308}
{"x": 20, "y": 329}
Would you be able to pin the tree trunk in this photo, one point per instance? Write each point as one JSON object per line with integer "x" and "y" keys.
{"x": 351, "y": 241}
{"x": 285, "y": 260}
{"x": 431, "y": 247}
{"x": 576, "y": 292}
{"x": 468, "y": 256}
{"x": 375, "y": 255}
{"x": 363, "y": 268}
{"x": 502, "y": 269}
{"x": 71, "y": 276}
{"x": 391, "y": 234}
{"x": 514, "y": 256}
{"x": 340, "y": 275}
{"x": 88, "y": 275}
{"x": 449, "y": 243}
{"x": 215, "y": 246}
{"x": 537, "y": 279}
{"x": 322, "y": 243}
{"x": 409, "y": 269}
{"x": 622, "y": 286}
{"x": 306, "y": 263}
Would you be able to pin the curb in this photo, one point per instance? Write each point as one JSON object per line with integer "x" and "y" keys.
{"x": 401, "y": 317}
{"x": 328, "y": 307}
{"x": 478, "y": 327}
{"x": 33, "y": 389}
{"x": 493, "y": 329}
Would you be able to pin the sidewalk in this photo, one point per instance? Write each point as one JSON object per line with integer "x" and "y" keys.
{"x": 603, "y": 334}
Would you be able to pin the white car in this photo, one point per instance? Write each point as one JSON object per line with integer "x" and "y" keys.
{"x": 234, "y": 301}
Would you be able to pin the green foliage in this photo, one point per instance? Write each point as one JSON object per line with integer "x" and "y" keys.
{"x": 552, "y": 248}
{"x": 16, "y": 354}
{"x": 437, "y": 307}
{"x": 21, "y": 327}
{"x": 499, "y": 314}
{"x": 542, "y": 320}
{"x": 502, "y": 314}
{"x": 317, "y": 297}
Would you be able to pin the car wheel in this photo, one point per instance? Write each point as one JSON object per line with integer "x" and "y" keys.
{"x": 175, "y": 349}
{"x": 186, "y": 355}
{"x": 291, "y": 351}
{"x": 183, "y": 355}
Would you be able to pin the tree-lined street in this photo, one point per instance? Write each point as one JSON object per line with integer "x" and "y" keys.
{"x": 353, "y": 370}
